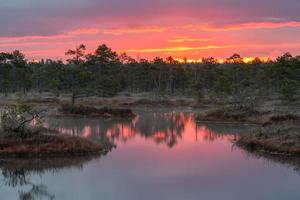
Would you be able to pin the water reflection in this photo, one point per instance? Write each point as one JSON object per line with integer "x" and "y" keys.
{"x": 161, "y": 127}
{"x": 19, "y": 173}
{"x": 165, "y": 151}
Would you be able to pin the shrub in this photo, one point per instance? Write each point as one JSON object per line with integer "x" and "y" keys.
{"x": 17, "y": 118}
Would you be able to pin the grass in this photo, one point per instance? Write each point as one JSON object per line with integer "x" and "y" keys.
{"x": 229, "y": 114}
{"x": 48, "y": 145}
{"x": 105, "y": 112}
{"x": 281, "y": 139}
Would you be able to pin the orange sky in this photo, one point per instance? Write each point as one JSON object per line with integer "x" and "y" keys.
{"x": 148, "y": 29}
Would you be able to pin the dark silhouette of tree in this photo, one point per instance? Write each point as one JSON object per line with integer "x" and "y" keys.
{"x": 105, "y": 73}
{"x": 235, "y": 59}
{"x": 76, "y": 76}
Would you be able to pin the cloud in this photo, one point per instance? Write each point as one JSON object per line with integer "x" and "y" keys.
{"x": 84, "y": 31}
{"x": 120, "y": 31}
{"x": 152, "y": 27}
{"x": 192, "y": 48}
{"x": 172, "y": 49}
{"x": 187, "y": 39}
{"x": 247, "y": 26}
{"x": 35, "y": 17}
{"x": 48, "y": 39}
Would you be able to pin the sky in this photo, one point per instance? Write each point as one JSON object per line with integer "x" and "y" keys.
{"x": 146, "y": 29}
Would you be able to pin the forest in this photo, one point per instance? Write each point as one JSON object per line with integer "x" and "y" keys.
{"x": 106, "y": 73}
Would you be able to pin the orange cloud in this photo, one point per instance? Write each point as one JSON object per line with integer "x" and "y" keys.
{"x": 37, "y": 39}
{"x": 172, "y": 49}
{"x": 29, "y": 39}
{"x": 244, "y": 26}
{"x": 209, "y": 47}
{"x": 187, "y": 39}
{"x": 120, "y": 31}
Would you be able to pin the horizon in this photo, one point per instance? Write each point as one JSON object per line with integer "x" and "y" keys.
{"x": 181, "y": 29}
{"x": 160, "y": 99}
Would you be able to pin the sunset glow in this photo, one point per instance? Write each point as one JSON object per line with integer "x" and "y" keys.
{"x": 186, "y": 29}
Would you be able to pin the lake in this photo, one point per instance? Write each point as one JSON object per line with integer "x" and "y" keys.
{"x": 161, "y": 154}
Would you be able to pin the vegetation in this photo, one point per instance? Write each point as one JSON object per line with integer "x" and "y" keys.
{"x": 230, "y": 114}
{"x": 237, "y": 85}
{"x": 104, "y": 73}
{"x": 283, "y": 139}
{"x": 48, "y": 145}
{"x": 248, "y": 115}
{"x": 18, "y": 120}
{"x": 23, "y": 137}
{"x": 81, "y": 110}
{"x": 18, "y": 173}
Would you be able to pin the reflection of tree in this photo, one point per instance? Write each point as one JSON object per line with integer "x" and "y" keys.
{"x": 36, "y": 192}
{"x": 161, "y": 127}
{"x": 228, "y": 128}
{"x": 96, "y": 129}
{"x": 18, "y": 172}
{"x": 288, "y": 161}
{"x": 20, "y": 177}
{"x": 213, "y": 131}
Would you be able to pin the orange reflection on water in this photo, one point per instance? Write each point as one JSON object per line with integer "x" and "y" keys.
{"x": 121, "y": 131}
{"x": 86, "y": 132}
{"x": 162, "y": 128}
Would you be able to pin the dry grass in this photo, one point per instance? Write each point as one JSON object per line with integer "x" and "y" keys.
{"x": 228, "y": 114}
{"x": 80, "y": 110}
{"x": 118, "y": 101}
{"x": 47, "y": 145}
{"x": 274, "y": 139}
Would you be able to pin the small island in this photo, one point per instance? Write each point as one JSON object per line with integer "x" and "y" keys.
{"x": 22, "y": 135}
{"x": 276, "y": 133}
{"x": 68, "y": 110}
{"x": 281, "y": 139}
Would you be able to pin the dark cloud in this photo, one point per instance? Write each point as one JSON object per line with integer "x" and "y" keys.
{"x": 36, "y": 17}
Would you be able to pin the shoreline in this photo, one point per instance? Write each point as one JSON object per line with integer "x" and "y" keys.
{"x": 50, "y": 146}
{"x": 277, "y": 139}
{"x": 212, "y": 113}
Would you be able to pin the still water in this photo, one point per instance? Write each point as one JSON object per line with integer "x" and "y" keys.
{"x": 160, "y": 154}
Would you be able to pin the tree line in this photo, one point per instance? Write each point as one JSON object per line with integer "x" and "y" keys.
{"x": 105, "y": 73}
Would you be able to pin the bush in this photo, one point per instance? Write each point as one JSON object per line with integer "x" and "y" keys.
{"x": 18, "y": 118}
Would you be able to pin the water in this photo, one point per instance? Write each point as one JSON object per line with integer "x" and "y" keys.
{"x": 158, "y": 155}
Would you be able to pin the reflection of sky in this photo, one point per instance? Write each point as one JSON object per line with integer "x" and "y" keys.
{"x": 193, "y": 169}
{"x": 181, "y": 28}
{"x": 142, "y": 170}
{"x": 162, "y": 128}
